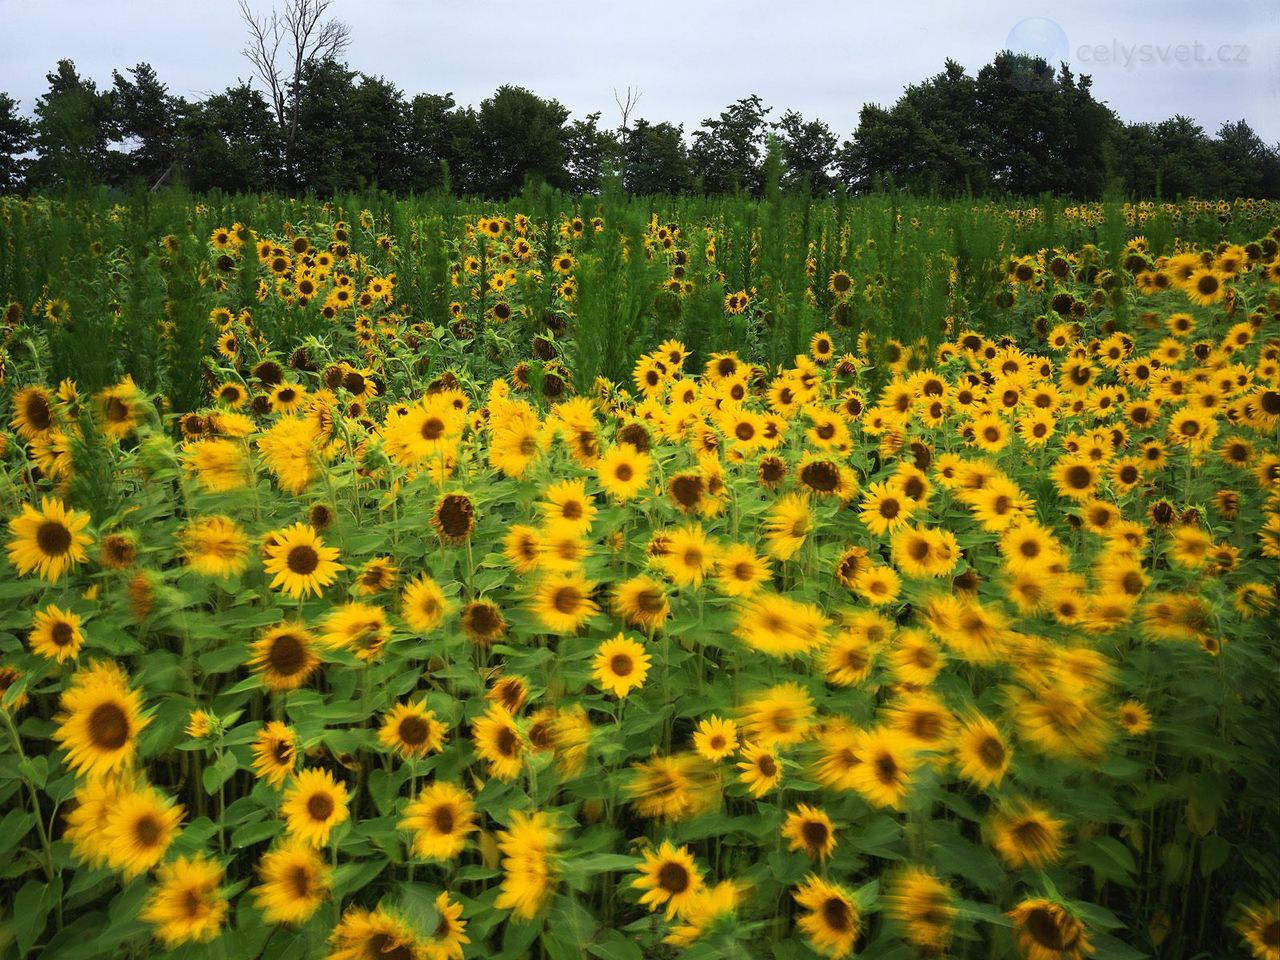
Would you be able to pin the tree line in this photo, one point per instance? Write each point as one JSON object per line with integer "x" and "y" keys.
{"x": 1018, "y": 127}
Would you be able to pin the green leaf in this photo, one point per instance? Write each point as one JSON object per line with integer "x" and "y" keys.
{"x": 1109, "y": 857}
{"x": 219, "y": 772}
{"x": 14, "y": 827}
{"x": 1214, "y": 852}
{"x": 31, "y": 910}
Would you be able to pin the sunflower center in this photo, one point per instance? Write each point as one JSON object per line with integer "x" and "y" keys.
{"x": 673, "y": 878}
{"x": 815, "y": 833}
{"x": 413, "y": 731}
{"x": 886, "y": 769}
{"x": 62, "y": 634}
{"x": 282, "y": 751}
{"x": 147, "y": 830}
{"x": 456, "y": 515}
{"x": 432, "y": 428}
{"x": 442, "y": 819}
{"x": 320, "y": 807}
{"x": 1078, "y": 477}
{"x": 1044, "y": 929}
{"x": 300, "y": 881}
{"x": 890, "y": 508}
{"x": 108, "y": 727}
{"x": 650, "y": 601}
{"x": 1031, "y": 833}
{"x": 687, "y": 490}
{"x": 991, "y": 752}
{"x": 193, "y": 904}
{"x": 567, "y": 599}
{"x": 288, "y": 655}
{"x": 767, "y": 765}
{"x": 1270, "y": 934}
{"x": 53, "y": 538}
{"x": 621, "y": 665}
{"x": 926, "y": 726}
{"x": 837, "y": 914}
{"x": 508, "y": 743}
{"x": 383, "y": 946}
{"x": 38, "y": 412}
{"x": 117, "y": 410}
{"x": 302, "y": 560}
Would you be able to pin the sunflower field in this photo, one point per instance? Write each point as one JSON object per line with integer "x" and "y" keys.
{"x": 724, "y": 580}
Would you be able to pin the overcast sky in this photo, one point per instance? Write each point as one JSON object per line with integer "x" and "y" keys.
{"x": 1214, "y": 61}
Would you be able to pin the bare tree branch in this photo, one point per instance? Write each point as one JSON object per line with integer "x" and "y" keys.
{"x": 306, "y": 37}
{"x": 626, "y": 105}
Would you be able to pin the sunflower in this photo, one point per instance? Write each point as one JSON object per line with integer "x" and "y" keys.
{"x": 642, "y": 602}
{"x": 48, "y": 541}
{"x": 300, "y": 561}
{"x": 283, "y": 656}
{"x": 620, "y": 665}
{"x": 215, "y": 547}
{"x": 33, "y": 413}
{"x": 187, "y": 905}
{"x": 139, "y": 828}
{"x": 440, "y": 817}
{"x": 412, "y": 731}
{"x": 885, "y": 508}
{"x": 55, "y": 634}
{"x": 1204, "y": 287}
{"x": 454, "y": 519}
{"x": 120, "y": 408}
{"x": 1048, "y": 931}
{"x": 672, "y": 787}
{"x": 832, "y": 921}
{"x": 780, "y": 627}
{"x": 761, "y": 769}
{"x": 788, "y": 525}
{"x": 849, "y": 657}
{"x": 623, "y": 471}
{"x": 376, "y": 576}
{"x": 690, "y": 555}
{"x": 810, "y": 830}
{"x": 522, "y": 547}
{"x": 422, "y": 604}
{"x": 740, "y": 571}
{"x": 924, "y": 909}
{"x": 1134, "y": 717}
{"x": 313, "y": 804}
{"x": 483, "y": 622}
{"x": 450, "y": 933}
{"x": 1027, "y": 835}
{"x": 715, "y": 738}
{"x": 528, "y": 847}
{"x": 562, "y": 602}
{"x": 920, "y": 551}
{"x": 295, "y": 882}
{"x": 982, "y": 753}
{"x": 780, "y": 716}
{"x": 275, "y": 751}
{"x": 375, "y": 935}
{"x": 100, "y": 720}
{"x": 884, "y": 775}
{"x": 359, "y": 628}
{"x": 878, "y": 585}
{"x": 498, "y": 741}
{"x": 668, "y": 876}
{"x": 86, "y": 823}
{"x": 922, "y": 719}
{"x": 1259, "y": 925}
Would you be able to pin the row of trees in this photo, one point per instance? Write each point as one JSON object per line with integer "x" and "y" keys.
{"x": 1018, "y": 127}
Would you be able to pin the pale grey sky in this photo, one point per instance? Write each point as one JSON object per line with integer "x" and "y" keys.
{"x": 1215, "y": 61}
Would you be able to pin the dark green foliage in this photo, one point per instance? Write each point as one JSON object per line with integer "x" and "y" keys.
{"x": 1019, "y": 127}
